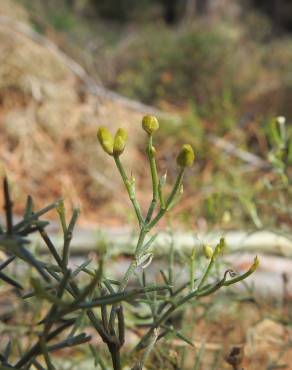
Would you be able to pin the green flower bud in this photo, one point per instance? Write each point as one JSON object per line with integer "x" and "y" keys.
{"x": 120, "y": 141}
{"x": 219, "y": 247}
{"x": 186, "y": 156}
{"x": 150, "y": 124}
{"x": 208, "y": 251}
{"x": 106, "y": 140}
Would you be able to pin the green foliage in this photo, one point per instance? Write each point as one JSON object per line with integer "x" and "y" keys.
{"x": 228, "y": 66}
{"x": 280, "y": 138}
{"x": 62, "y": 21}
{"x": 70, "y": 303}
{"x": 279, "y": 186}
{"x": 191, "y": 64}
{"x": 119, "y": 10}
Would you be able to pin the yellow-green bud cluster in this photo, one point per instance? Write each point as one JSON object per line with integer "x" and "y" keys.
{"x": 186, "y": 156}
{"x": 112, "y": 146}
{"x": 150, "y": 124}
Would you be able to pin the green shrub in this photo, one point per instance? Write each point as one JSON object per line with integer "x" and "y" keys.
{"x": 194, "y": 64}
{"x": 73, "y": 298}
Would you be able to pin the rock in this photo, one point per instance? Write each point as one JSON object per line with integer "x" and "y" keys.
{"x": 265, "y": 337}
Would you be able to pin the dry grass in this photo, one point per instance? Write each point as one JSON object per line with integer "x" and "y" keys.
{"x": 48, "y": 123}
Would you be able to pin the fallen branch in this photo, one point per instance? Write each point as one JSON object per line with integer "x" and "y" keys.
{"x": 244, "y": 155}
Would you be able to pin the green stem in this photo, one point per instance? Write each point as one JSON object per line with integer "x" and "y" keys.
{"x": 143, "y": 233}
{"x": 8, "y": 207}
{"x": 206, "y": 273}
{"x": 195, "y": 294}
{"x": 171, "y": 262}
{"x": 115, "y": 355}
{"x": 68, "y": 237}
{"x": 130, "y": 271}
{"x": 173, "y": 193}
{"x": 154, "y": 177}
{"x": 148, "y": 350}
{"x": 130, "y": 190}
{"x": 192, "y": 270}
{"x": 36, "y": 349}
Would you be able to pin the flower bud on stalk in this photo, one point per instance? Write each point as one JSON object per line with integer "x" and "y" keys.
{"x": 186, "y": 156}
{"x": 150, "y": 124}
{"x": 208, "y": 251}
{"x": 106, "y": 140}
{"x": 219, "y": 247}
{"x": 120, "y": 141}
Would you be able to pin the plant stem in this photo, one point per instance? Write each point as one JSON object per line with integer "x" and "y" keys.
{"x": 130, "y": 271}
{"x": 130, "y": 189}
{"x": 36, "y": 349}
{"x": 173, "y": 193}
{"x": 143, "y": 232}
{"x": 8, "y": 206}
{"x": 68, "y": 237}
{"x": 154, "y": 177}
{"x": 192, "y": 270}
{"x": 197, "y": 293}
{"x": 206, "y": 273}
{"x": 115, "y": 355}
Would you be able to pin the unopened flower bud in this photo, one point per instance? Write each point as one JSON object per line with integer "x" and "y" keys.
{"x": 120, "y": 141}
{"x": 219, "y": 247}
{"x": 150, "y": 124}
{"x": 186, "y": 156}
{"x": 106, "y": 140}
{"x": 208, "y": 251}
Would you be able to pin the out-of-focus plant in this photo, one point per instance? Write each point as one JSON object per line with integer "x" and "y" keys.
{"x": 280, "y": 156}
{"x": 279, "y": 186}
{"x": 178, "y": 66}
{"x": 68, "y": 301}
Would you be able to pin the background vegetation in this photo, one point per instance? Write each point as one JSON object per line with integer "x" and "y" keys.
{"x": 217, "y": 73}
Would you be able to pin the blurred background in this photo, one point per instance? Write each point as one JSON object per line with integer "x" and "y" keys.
{"x": 218, "y": 74}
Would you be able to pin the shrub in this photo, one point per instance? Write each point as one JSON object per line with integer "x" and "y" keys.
{"x": 67, "y": 300}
